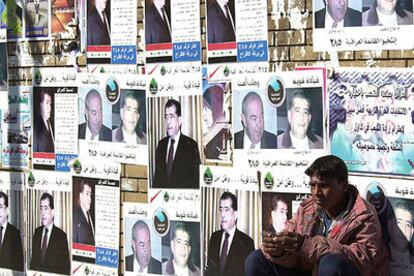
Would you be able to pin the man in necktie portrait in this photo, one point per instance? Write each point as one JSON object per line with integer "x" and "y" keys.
{"x": 177, "y": 156}
{"x": 221, "y": 21}
{"x": 50, "y": 251}
{"x": 83, "y": 211}
{"x": 338, "y": 13}
{"x": 157, "y": 21}
{"x": 228, "y": 247}
{"x": 43, "y": 123}
{"x": 94, "y": 129}
{"x": 141, "y": 260}
{"x": 99, "y": 22}
{"x": 253, "y": 135}
{"x": 11, "y": 250}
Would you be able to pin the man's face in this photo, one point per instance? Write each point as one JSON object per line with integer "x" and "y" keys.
{"x": 94, "y": 114}
{"x": 387, "y": 6}
{"x": 405, "y": 222}
{"x": 299, "y": 117}
{"x": 377, "y": 200}
{"x": 85, "y": 198}
{"x": 228, "y": 216}
{"x": 279, "y": 215}
{"x": 172, "y": 121}
{"x": 253, "y": 120}
{"x": 337, "y": 9}
{"x": 100, "y": 4}
{"x": 130, "y": 115}
{"x": 3, "y": 211}
{"x": 46, "y": 107}
{"x": 46, "y": 213}
{"x": 181, "y": 247}
{"x": 142, "y": 246}
{"x": 327, "y": 193}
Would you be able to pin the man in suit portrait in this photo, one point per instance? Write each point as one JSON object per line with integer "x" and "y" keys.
{"x": 130, "y": 113}
{"x": 43, "y": 138}
{"x": 157, "y": 22}
{"x": 83, "y": 226}
{"x": 298, "y": 135}
{"x": 228, "y": 247}
{"x": 177, "y": 157}
{"x": 141, "y": 260}
{"x": 50, "y": 251}
{"x": 221, "y": 23}
{"x": 337, "y": 14}
{"x": 93, "y": 128}
{"x": 253, "y": 135}
{"x": 99, "y": 23}
{"x": 11, "y": 250}
{"x": 180, "y": 262}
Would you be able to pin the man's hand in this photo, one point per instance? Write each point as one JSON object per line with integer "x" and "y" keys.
{"x": 290, "y": 241}
{"x": 270, "y": 246}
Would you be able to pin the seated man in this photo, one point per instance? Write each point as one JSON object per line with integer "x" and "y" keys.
{"x": 334, "y": 232}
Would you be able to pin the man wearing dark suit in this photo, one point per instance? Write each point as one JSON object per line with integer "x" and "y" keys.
{"x": 253, "y": 135}
{"x": 221, "y": 24}
{"x": 228, "y": 247}
{"x": 43, "y": 138}
{"x": 50, "y": 251}
{"x": 83, "y": 226}
{"x": 99, "y": 24}
{"x": 157, "y": 23}
{"x": 339, "y": 15}
{"x": 94, "y": 129}
{"x": 11, "y": 251}
{"x": 141, "y": 260}
{"x": 177, "y": 157}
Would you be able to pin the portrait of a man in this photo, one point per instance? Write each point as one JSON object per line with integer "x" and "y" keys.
{"x": 130, "y": 112}
{"x": 337, "y": 14}
{"x": 221, "y": 21}
{"x": 386, "y": 13}
{"x": 43, "y": 130}
{"x": 99, "y": 22}
{"x": 83, "y": 217}
{"x": 157, "y": 22}
{"x": 177, "y": 157}
{"x": 11, "y": 250}
{"x": 253, "y": 135}
{"x": 94, "y": 129}
{"x": 50, "y": 251}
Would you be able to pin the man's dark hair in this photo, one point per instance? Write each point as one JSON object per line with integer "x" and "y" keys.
{"x": 6, "y": 199}
{"x": 329, "y": 167}
{"x": 299, "y": 94}
{"x": 139, "y": 224}
{"x": 405, "y": 205}
{"x": 183, "y": 227}
{"x": 42, "y": 95}
{"x": 50, "y": 198}
{"x": 276, "y": 199}
{"x": 84, "y": 183}
{"x": 232, "y": 197}
{"x": 129, "y": 95}
{"x": 172, "y": 102}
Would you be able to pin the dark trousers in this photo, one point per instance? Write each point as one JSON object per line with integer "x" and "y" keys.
{"x": 256, "y": 264}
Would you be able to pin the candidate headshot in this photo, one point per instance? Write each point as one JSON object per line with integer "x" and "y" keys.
{"x": 182, "y": 244}
{"x": 99, "y": 22}
{"x": 43, "y": 130}
{"x": 141, "y": 260}
{"x": 278, "y": 214}
{"x": 298, "y": 134}
{"x": 157, "y": 21}
{"x": 337, "y": 14}
{"x": 221, "y": 23}
{"x": 131, "y": 108}
{"x": 50, "y": 251}
{"x": 253, "y": 135}
{"x": 387, "y": 13}
{"x": 83, "y": 215}
{"x": 228, "y": 247}
{"x": 11, "y": 250}
{"x": 177, "y": 157}
{"x": 94, "y": 129}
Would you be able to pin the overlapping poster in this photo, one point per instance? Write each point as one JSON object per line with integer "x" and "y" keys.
{"x": 16, "y": 126}
{"x": 236, "y": 37}
{"x": 112, "y": 120}
{"x": 362, "y": 25}
{"x": 37, "y": 18}
{"x": 12, "y": 216}
{"x": 64, "y": 18}
{"x": 95, "y": 221}
{"x": 48, "y": 222}
{"x": 13, "y": 18}
{"x": 55, "y": 120}
{"x": 371, "y": 119}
